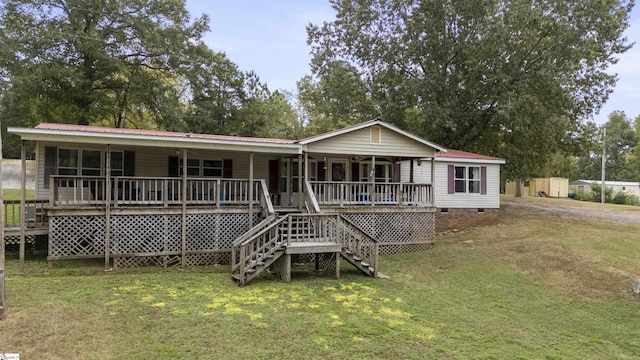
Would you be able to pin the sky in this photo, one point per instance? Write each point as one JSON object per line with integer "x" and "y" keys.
{"x": 270, "y": 38}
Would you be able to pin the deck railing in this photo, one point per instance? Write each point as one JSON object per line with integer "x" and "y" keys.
{"x": 152, "y": 191}
{"x": 344, "y": 193}
{"x": 35, "y": 214}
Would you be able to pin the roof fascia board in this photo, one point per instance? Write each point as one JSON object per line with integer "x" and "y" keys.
{"x": 149, "y": 141}
{"x": 473, "y": 161}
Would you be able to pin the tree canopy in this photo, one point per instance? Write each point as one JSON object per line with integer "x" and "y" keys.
{"x": 124, "y": 63}
{"x": 516, "y": 79}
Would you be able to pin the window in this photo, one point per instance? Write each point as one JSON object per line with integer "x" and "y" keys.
{"x": 117, "y": 163}
{"x": 474, "y": 180}
{"x": 212, "y": 168}
{"x": 467, "y": 179}
{"x": 206, "y": 168}
{"x": 91, "y": 162}
{"x": 67, "y": 162}
{"x": 383, "y": 172}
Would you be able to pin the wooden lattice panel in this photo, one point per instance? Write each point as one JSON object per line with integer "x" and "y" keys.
{"x": 12, "y": 243}
{"x": 223, "y": 258}
{"x": 76, "y": 235}
{"x": 403, "y": 248}
{"x": 145, "y": 233}
{"x": 144, "y": 261}
{"x": 397, "y": 230}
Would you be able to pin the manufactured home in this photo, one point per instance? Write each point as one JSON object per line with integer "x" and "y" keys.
{"x": 142, "y": 197}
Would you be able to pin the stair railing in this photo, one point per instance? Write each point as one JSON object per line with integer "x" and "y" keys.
{"x": 255, "y": 249}
{"x": 360, "y": 242}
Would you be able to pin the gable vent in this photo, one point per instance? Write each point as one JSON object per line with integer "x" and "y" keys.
{"x": 376, "y": 134}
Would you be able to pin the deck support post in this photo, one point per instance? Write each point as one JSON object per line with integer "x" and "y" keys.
{"x": 23, "y": 199}
{"x": 251, "y": 190}
{"x": 372, "y": 175}
{"x": 107, "y": 208}
{"x": 300, "y": 181}
{"x": 183, "y": 260}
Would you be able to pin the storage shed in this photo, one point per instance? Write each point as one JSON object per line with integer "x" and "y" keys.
{"x": 545, "y": 187}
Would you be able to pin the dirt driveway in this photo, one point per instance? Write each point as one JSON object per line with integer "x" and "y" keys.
{"x": 11, "y": 171}
{"x": 619, "y": 213}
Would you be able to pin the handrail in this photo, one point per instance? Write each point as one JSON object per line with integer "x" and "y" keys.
{"x": 35, "y": 213}
{"x": 341, "y": 193}
{"x": 311, "y": 197}
{"x": 358, "y": 248}
{"x": 254, "y": 230}
{"x": 265, "y": 199}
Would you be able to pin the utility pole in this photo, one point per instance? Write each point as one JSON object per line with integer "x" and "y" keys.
{"x": 604, "y": 157}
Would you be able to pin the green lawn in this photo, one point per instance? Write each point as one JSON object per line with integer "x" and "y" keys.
{"x": 14, "y": 194}
{"x": 534, "y": 286}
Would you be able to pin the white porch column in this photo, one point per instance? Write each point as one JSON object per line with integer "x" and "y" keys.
{"x": 23, "y": 199}
{"x": 184, "y": 210}
{"x": 250, "y": 190}
{"x": 433, "y": 179}
{"x": 372, "y": 175}
{"x": 107, "y": 208}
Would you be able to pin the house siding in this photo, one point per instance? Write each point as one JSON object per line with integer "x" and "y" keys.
{"x": 465, "y": 200}
{"x": 358, "y": 143}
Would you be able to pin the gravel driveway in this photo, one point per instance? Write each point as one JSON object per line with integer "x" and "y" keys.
{"x": 563, "y": 209}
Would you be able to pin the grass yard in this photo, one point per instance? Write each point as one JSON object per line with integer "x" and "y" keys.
{"x": 534, "y": 286}
{"x": 14, "y": 194}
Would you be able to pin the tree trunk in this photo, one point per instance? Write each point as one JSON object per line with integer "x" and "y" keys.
{"x": 518, "y": 188}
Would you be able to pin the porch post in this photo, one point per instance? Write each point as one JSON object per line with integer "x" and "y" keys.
{"x": 433, "y": 179}
{"x": 290, "y": 181}
{"x": 23, "y": 199}
{"x": 107, "y": 208}
{"x": 250, "y": 190}
{"x": 372, "y": 175}
{"x": 300, "y": 181}
{"x": 184, "y": 209}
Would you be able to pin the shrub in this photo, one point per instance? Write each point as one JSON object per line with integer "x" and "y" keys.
{"x": 625, "y": 198}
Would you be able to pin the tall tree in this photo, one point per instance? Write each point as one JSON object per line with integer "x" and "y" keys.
{"x": 509, "y": 78}
{"x": 82, "y": 61}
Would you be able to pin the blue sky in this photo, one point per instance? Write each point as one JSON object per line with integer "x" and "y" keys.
{"x": 269, "y": 37}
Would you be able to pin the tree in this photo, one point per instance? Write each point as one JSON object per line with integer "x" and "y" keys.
{"x": 515, "y": 79}
{"x": 84, "y": 61}
{"x": 621, "y": 142}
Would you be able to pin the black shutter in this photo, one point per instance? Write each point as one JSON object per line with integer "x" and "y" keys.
{"x": 227, "y": 168}
{"x": 451, "y": 182}
{"x": 50, "y": 162}
{"x": 321, "y": 171}
{"x": 129, "y": 163}
{"x": 355, "y": 171}
{"x": 483, "y": 180}
{"x": 174, "y": 163}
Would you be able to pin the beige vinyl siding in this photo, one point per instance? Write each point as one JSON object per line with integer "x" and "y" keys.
{"x": 358, "y": 142}
{"x": 465, "y": 200}
{"x": 421, "y": 173}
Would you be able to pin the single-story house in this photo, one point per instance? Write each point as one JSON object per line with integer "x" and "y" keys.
{"x": 541, "y": 187}
{"x": 139, "y": 197}
{"x": 616, "y": 186}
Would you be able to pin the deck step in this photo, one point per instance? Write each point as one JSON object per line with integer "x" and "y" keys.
{"x": 349, "y": 252}
{"x": 250, "y": 271}
{"x": 364, "y": 264}
{"x": 356, "y": 258}
{"x": 235, "y": 277}
{"x": 313, "y": 247}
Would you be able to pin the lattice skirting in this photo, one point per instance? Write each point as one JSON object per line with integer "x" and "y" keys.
{"x": 148, "y": 239}
{"x": 12, "y": 243}
{"x": 398, "y": 232}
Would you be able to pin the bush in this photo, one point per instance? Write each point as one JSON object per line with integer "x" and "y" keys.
{"x": 625, "y": 198}
{"x": 596, "y": 193}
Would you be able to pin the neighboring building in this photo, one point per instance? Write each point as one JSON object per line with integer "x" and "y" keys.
{"x": 542, "y": 187}
{"x": 616, "y": 186}
{"x": 138, "y": 197}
